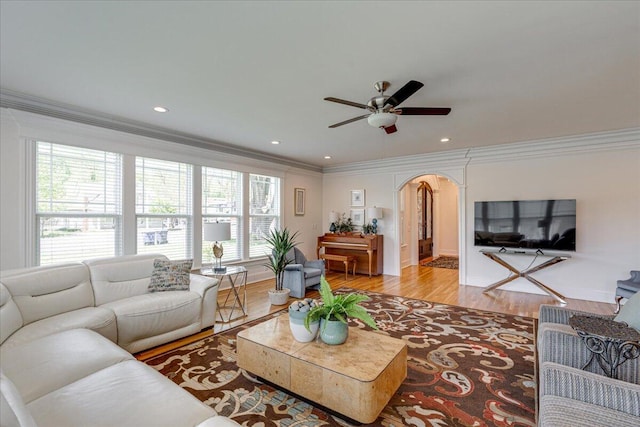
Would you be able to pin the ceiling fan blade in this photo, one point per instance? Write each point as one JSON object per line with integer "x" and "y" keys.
{"x": 423, "y": 111}
{"x": 391, "y": 129}
{"x": 345, "y": 102}
{"x": 403, "y": 93}
{"x": 355, "y": 119}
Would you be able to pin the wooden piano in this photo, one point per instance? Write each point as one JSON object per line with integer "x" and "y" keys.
{"x": 366, "y": 248}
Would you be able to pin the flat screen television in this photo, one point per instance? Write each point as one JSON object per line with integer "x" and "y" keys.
{"x": 530, "y": 224}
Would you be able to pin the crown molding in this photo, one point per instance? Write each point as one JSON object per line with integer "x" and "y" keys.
{"x": 23, "y": 102}
{"x": 441, "y": 160}
{"x": 624, "y": 139}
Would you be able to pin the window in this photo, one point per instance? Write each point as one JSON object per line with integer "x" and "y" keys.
{"x": 78, "y": 203}
{"x": 222, "y": 202}
{"x": 82, "y": 210}
{"x": 164, "y": 207}
{"x": 264, "y": 211}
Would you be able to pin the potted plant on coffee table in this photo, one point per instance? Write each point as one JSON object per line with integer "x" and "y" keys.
{"x": 333, "y": 314}
{"x": 281, "y": 242}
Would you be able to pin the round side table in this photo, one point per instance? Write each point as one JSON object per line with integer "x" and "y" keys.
{"x": 611, "y": 343}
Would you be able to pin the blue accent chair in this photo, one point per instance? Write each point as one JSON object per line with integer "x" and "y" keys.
{"x": 626, "y": 288}
{"x": 301, "y": 273}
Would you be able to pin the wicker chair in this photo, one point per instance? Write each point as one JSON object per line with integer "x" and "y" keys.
{"x": 571, "y": 396}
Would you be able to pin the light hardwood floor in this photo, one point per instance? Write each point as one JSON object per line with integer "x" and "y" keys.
{"x": 425, "y": 283}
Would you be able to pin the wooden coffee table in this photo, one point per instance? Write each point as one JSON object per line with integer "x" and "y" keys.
{"x": 355, "y": 379}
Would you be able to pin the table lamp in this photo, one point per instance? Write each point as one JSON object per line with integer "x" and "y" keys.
{"x": 217, "y": 232}
{"x": 374, "y": 214}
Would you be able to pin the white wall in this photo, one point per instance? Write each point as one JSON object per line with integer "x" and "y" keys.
{"x": 601, "y": 171}
{"x": 606, "y": 186}
{"x": 19, "y": 128}
{"x": 447, "y": 219}
{"x": 380, "y": 192}
{"x": 12, "y": 195}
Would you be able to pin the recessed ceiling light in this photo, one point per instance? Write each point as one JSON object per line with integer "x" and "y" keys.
{"x": 275, "y": 142}
{"x": 160, "y": 109}
{"x": 445, "y": 140}
{"x": 327, "y": 157}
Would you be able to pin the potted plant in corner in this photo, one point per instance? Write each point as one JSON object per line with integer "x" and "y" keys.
{"x": 333, "y": 314}
{"x": 281, "y": 242}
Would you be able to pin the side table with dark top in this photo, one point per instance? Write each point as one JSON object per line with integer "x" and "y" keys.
{"x": 611, "y": 343}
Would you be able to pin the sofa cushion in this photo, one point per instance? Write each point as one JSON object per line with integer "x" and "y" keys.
{"x": 100, "y": 320}
{"x": 42, "y": 292}
{"x": 121, "y": 277}
{"x": 10, "y": 317}
{"x": 46, "y": 364}
{"x": 126, "y": 394}
{"x": 311, "y": 272}
{"x": 630, "y": 312}
{"x": 13, "y": 411}
{"x": 154, "y": 314}
{"x": 170, "y": 275}
{"x": 564, "y": 412}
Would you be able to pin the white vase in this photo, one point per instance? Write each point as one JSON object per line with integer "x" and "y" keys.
{"x": 299, "y": 332}
{"x": 279, "y": 297}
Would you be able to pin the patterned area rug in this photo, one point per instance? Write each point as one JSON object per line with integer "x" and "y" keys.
{"x": 466, "y": 367}
{"x": 443, "y": 262}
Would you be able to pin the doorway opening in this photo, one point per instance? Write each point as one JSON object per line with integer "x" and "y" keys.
{"x": 429, "y": 220}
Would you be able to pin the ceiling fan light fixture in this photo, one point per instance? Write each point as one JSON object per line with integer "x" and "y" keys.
{"x": 382, "y": 119}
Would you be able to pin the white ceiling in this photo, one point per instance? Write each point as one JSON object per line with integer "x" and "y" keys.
{"x": 245, "y": 73}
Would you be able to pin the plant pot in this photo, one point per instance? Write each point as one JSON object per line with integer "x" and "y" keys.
{"x": 333, "y": 332}
{"x": 279, "y": 297}
{"x": 299, "y": 332}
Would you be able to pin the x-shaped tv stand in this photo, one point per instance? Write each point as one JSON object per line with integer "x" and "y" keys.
{"x": 495, "y": 255}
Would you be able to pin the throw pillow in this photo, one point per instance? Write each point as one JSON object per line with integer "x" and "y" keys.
{"x": 630, "y": 312}
{"x": 170, "y": 275}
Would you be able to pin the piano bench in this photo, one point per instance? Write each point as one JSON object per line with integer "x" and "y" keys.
{"x": 346, "y": 259}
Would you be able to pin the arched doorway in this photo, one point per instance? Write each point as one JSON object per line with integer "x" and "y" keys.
{"x": 429, "y": 219}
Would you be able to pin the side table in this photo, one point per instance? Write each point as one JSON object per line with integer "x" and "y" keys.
{"x": 611, "y": 343}
{"x": 237, "y": 277}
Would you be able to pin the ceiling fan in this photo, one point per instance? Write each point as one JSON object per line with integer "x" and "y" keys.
{"x": 382, "y": 111}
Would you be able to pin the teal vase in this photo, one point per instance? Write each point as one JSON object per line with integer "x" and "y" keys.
{"x": 333, "y": 332}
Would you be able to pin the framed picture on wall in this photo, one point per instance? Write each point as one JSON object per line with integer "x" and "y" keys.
{"x": 357, "y": 216}
{"x": 299, "y": 201}
{"x": 357, "y": 198}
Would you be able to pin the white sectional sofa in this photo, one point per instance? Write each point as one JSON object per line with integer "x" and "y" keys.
{"x": 67, "y": 333}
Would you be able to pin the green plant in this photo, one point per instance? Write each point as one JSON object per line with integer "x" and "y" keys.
{"x": 281, "y": 242}
{"x": 367, "y": 228}
{"x": 338, "y": 307}
{"x": 344, "y": 224}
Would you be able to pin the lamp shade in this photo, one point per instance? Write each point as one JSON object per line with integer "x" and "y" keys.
{"x": 382, "y": 120}
{"x": 374, "y": 212}
{"x": 333, "y": 217}
{"x": 217, "y": 231}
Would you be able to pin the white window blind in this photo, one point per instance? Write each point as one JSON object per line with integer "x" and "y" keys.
{"x": 264, "y": 211}
{"x": 78, "y": 203}
{"x": 164, "y": 207}
{"x": 222, "y": 202}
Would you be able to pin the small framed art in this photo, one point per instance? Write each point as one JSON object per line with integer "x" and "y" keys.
{"x": 357, "y": 216}
{"x": 299, "y": 201}
{"x": 357, "y": 197}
